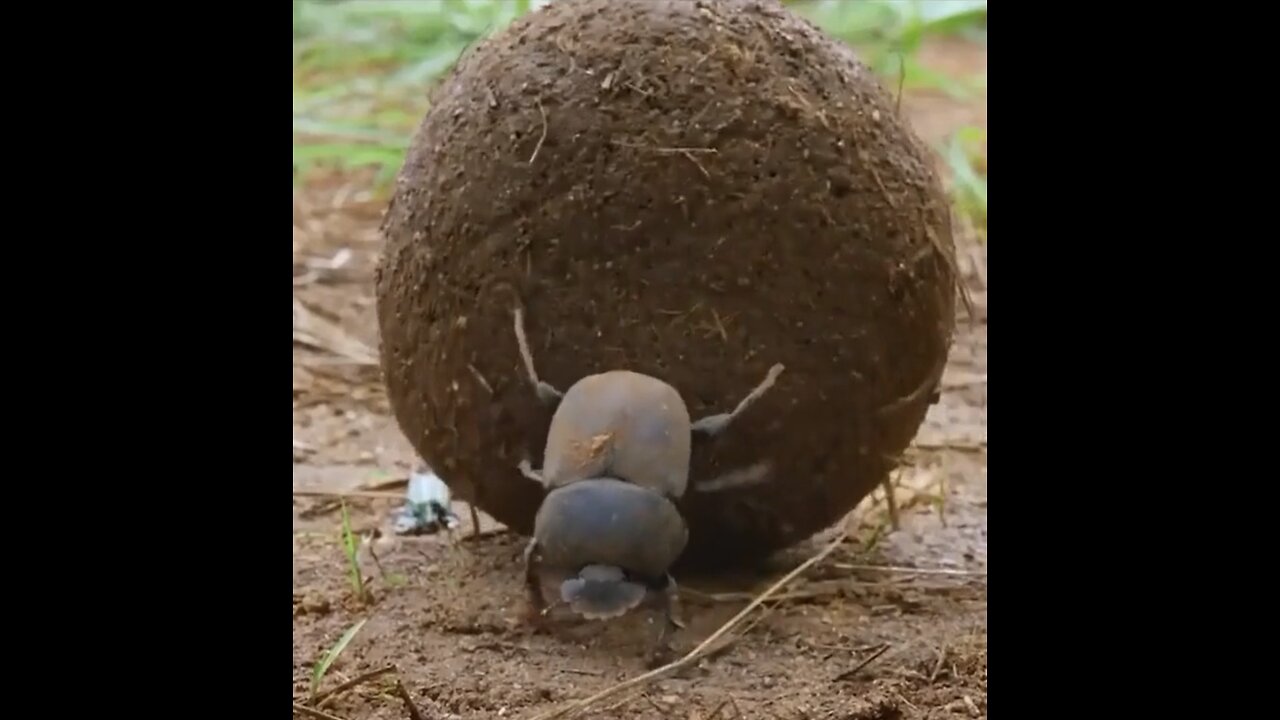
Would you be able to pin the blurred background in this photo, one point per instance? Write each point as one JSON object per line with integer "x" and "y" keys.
{"x": 361, "y": 69}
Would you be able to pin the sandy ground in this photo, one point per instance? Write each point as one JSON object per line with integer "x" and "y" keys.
{"x": 845, "y": 641}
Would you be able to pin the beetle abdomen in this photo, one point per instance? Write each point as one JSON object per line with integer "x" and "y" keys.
{"x": 610, "y": 522}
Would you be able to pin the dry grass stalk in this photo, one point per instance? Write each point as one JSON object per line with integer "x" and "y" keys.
{"x": 316, "y": 332}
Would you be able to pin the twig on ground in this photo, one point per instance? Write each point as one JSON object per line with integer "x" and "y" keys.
{"x": 621, "y": 703}
{"x": 321, "y": 508}
{"x": 813, "y": 593}
{"x": 654, "y": 704}
{"x": 911, "y": 570}
{"x": 320, "y": 333}
{"x": 954, "y": 445}
{"x": 325, "y": 697}
{"x": 312, "y": 712}
{"x": 698, "y": 652}
{"x": 848, "y": 674}
{"x": 708, "y": 598}
{"x": 399, "y": 483}
{"x": 370, "y": 541}
{"x": 937, "y": 666}
{"x": 371, "y": 494}
{"x": 481, "y": 534}
{"x": 409, "y": 705}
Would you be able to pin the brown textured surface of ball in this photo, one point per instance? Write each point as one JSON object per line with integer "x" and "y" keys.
{"x": 692, "y": 189}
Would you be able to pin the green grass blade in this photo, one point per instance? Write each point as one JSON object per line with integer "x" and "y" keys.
{"x": 326, "y": 662}
{"x": 351, "y": 546}
{"x": 970, "y": 186}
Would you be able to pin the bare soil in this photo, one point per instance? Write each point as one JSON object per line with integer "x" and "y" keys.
{"x": 448, "y": 611}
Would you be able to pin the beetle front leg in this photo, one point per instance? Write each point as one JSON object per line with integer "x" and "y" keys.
{"x": 661, "y": 651}
{"x": 671, "y": 604}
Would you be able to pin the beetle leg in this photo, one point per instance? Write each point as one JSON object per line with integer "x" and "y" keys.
{"x": 526, "y": 469}
{"x": 715, "y": 424}
{"x": 547, "y": 393}
{"x": 891, "y": 502}
{"x": 533, "y": 584}
{"x": 671, "y": 604}
{"x": 661, "y": 651}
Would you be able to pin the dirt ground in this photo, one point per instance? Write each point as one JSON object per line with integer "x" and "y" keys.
{"x": 844, "y": 641}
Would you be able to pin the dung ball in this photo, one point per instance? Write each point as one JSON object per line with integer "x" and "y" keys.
{"x": 692, "y": 189}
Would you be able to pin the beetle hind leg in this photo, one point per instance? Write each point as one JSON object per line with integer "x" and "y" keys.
{"x": 715, "y": 424}
{"x": 533, "y": 582}
{"x": 546, "y": 392}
